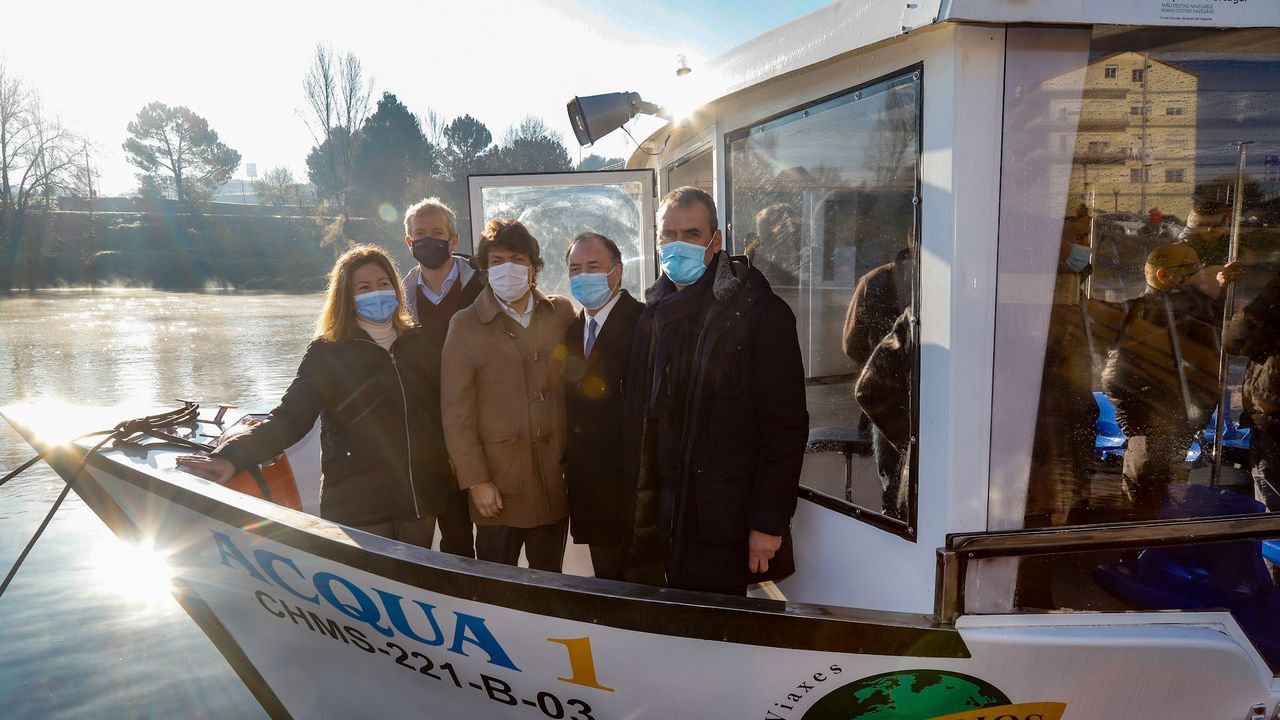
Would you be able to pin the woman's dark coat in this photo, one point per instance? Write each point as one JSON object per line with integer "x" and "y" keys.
{"x": 381, "y": 459}
{"x": 594, "y": 394}
{"x": 741, "y": 438}
{"x": 1255, "y": 333}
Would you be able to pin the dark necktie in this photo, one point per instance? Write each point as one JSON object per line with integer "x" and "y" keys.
{"x": 591, "y": 338}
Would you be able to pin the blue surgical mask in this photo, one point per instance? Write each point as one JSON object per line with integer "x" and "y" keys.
{"x": 591, "y": 289}
{"x": 377, "y": 306}
{"x": 1077, "y": 259}
{"x": 682, "y": 261}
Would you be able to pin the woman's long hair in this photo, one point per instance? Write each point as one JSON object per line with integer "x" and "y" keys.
{"x": 338, "y": 319}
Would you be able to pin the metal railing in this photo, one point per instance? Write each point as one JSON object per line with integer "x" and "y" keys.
{"x": 962, "y": 548}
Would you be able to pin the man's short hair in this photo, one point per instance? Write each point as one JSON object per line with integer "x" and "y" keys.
{"x": 610, "y": 246}
{"x": 1211, "y": 207}
{"x": 1166, "y": 256}
{"x": 512, "y": 236}
{"x": 688, "y": 196}
{"x": 1205, "y": 209}
{"x": 425, "y": 207}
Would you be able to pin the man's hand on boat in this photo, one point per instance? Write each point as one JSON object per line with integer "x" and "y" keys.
{"x": 762, "y": 548}
{"x": 487, "y": 499}
{"x": 217, "y": 469}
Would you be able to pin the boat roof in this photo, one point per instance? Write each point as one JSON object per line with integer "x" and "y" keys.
{"x": 848, "y": 25}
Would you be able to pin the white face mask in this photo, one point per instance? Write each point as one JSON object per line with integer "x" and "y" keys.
{"x": 509, "y": 281}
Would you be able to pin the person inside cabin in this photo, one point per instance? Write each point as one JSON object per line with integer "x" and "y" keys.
{"x": 776, "y": 250}
{"x": 440, "y": 284}
{"x": 1155, "y": 221}
{"x": 1066, "y": 424}
{"x": 368, "y": 377}
{"x": 1162, "y": 374}
{"x": 599, "y": 347}
{"x": 878, "y": 301}
{"x": 716, "y": 422}
{"x": 1206, "y": 231}
{"x": 503, "y": 404}
{"x": 1254, "y": 332}
{"x": 883, "y": 392}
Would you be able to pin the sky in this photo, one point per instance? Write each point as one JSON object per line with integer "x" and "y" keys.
{"x": 241, "y": 64}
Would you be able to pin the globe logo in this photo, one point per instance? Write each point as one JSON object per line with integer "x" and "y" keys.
{"x": 907, "y": 695}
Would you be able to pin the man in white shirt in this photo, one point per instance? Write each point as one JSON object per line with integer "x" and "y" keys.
{"x": 599, "y": 347}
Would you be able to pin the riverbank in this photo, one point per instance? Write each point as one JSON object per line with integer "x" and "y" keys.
{"x": 185, "y": 252}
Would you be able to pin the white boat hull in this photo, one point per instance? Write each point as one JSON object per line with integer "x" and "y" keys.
{"x": 322, "y": 621}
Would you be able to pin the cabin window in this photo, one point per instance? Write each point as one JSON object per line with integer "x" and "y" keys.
{"x": 694, "y": 169}
{"x": 1102, "y": 412}
{"x": 1107, "y": 374}
{"x": 825, "y": 201}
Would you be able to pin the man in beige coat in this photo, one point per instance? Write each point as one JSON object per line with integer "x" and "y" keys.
{"x": 502, "y": 396}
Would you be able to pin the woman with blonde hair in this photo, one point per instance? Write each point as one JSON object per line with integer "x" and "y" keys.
{"x": 364, "y": 376}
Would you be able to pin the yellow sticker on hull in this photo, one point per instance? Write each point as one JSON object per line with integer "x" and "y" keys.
{"x": 1021, "y": 711}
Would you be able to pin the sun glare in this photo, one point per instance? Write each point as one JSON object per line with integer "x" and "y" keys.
{"x": 54, "y": 420}
{"x": 138, "y": 573}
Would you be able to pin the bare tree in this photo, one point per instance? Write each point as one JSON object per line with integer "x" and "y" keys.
{"x": 433, "y": 125}
{"x": 276, "y": 187}
{"x": 338, "y": 97}
{"x": 37, "y": 160}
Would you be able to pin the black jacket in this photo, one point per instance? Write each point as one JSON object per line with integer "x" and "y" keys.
{"x": 1142, "y": 376}
{"x": 594, "y": 393}
{"x": 1255, "y": 333}
{"x": 883, "y": 387}
{"x": 740, "y": 428}
{"x": 379, "y": 454}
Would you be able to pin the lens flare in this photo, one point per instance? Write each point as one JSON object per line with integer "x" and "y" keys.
{"x": 388, "y": 213}
{"x": 137, "y": 573}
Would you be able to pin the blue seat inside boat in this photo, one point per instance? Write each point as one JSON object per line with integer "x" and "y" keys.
{"x": 1109, "y": 443}
{"x": 1229, "y": 575}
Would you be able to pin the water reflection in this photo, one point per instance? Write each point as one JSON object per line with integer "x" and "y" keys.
{"x": 88, "y": 626}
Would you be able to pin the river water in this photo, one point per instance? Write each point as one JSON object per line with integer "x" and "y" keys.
{"x": 83, "y": 631}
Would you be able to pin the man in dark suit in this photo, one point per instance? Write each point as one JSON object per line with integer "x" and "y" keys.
{"x": 599, "y": 344}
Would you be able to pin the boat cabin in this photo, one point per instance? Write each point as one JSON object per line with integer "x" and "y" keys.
{"x": 995, "y": 174}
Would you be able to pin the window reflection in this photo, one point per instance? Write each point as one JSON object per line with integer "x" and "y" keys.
{"x": 823, "y": 201}
{"x": 1118, "y": 192}
{"x": 555, "y": 214}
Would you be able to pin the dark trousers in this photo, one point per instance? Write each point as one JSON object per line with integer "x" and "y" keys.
{"x": 418, "y": 532}
{"x": 543, "y": 545}
{"x": 1152, "y": 460}
{"x": 606, "y": 560}
{"x": 1264, "y": 461}
{"x": 455, "y": 526}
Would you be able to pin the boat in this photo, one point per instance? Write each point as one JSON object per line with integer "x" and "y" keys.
{"x": 964, "y": 130}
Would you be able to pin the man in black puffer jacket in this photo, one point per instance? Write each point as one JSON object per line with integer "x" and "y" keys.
{"x": 716, "y": 418}
{"x": 1255, "y": 333}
